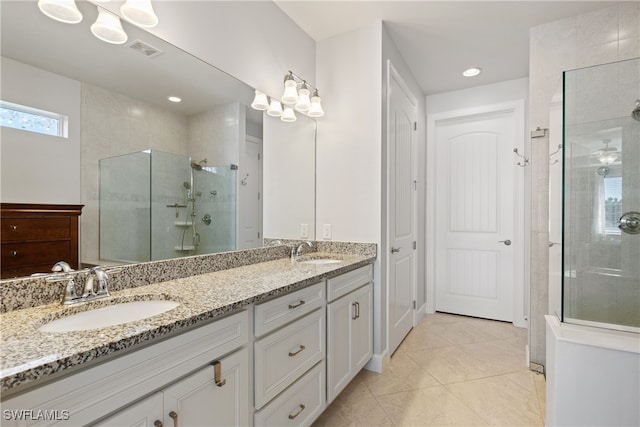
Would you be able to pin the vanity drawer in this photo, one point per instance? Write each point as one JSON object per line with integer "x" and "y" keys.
{"x": 35, "y": 229}
{"x": 278, "y": 312}
{"x": 345, "y": 283}
{"x": 282, "y": 357}
{"x": 38, "y": 253}
{"x": 299, "y": 405}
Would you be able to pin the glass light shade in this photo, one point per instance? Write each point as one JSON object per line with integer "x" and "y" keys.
{"x": 288, "y": 115}
{"x": 108, "y": 28}
{"x": 315, "y": 110}
{"x": 304, "y": 103}
{"x": 61, "y": 10}
{"x": 290, "y": 95}
{"x": 275, "y": 108}
{"x": 139, "y": 12}
{"x": 260, "y": 101}
{"x": 608, "y": 157}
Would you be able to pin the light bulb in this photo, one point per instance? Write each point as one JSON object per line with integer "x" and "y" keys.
{"x": 275, "y": 108}
{"x": 303, "y": 103}
{"x": 288, "y": 115}
{"x": 61, "y": 10}
{"x": 260, "y": 101}
{"x": 315, "y": 110}
{"x": 108, "y": 28}
{"x": 139, "y": 12}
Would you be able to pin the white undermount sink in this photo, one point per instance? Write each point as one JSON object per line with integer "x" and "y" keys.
{"x": 320, "y": 261}
{"x": 111, "y": 315}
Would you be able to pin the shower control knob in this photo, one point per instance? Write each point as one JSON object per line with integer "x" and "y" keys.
{"x": 630, "y": 223}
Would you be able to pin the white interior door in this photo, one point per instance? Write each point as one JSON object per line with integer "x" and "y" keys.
{"x": 476, "y": 239}
{"x": 401, "y": 209}
{"x": 250, "y": 194}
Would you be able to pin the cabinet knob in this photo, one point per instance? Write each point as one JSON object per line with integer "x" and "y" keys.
{"x": 13, "y": 253}
{"x": 300, "y": 409}
{"x": 174, "y": 416}
{"x": 13, "y": 227}
{"x": 157, "y": 423}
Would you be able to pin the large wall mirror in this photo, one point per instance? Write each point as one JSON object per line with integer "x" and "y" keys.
{"x": 158, "y": 179}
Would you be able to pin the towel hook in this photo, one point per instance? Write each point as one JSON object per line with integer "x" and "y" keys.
{"x": 243, "y": 181}
{"x": 525, "y": 161}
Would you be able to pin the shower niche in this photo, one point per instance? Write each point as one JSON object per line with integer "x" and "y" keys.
{"x": 156, "y": 205}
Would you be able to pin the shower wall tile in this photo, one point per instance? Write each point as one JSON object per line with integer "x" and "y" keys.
{"x": 597, "y": 27}
{"x": 629, "y": 20}
{"x": 629, "y": 49}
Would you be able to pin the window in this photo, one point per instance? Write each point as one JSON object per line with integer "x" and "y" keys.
{"x": 32, "y": 120}
{"x": 612, "y": 204}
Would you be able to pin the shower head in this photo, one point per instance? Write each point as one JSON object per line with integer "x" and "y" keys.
{"x": 198, "y": 165}
{"x": 636, "y": 111}
{"x": 187, "y": 185}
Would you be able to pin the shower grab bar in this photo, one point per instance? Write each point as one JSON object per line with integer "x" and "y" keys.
{"x": 175, "y": 205}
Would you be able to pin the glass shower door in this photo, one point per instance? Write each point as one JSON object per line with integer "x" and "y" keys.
{"x": 601, "y": 246}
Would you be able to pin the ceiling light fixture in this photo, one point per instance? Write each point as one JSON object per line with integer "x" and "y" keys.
{"x": 61, "y": 10}
{"x": 108, "y": 28}
{"x": 606, "y": 155}
{"x": 139, "y": 12}
{"x": 472, "y": 72}
{"x": 174, "y": 99}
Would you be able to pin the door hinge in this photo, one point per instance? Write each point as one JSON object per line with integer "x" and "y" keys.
{"x": 258, "y": 156}
{"x": 415, "y": 125}
{"x": 415, "y": 304}
{"x": 258, "y": 196}
{"x": 415, "y": 245}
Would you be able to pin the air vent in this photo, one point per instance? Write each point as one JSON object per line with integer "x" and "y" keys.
{"x": 144, "y": 49}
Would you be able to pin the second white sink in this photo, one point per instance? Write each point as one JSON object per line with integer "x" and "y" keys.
{"x": 111, "y": 315}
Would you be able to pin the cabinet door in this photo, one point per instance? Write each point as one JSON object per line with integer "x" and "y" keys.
{"x": 339, "y": 337}
{"x": 146, "y": 413}
{"x": 198, "y": 401}
{"x": 362, "y": 338}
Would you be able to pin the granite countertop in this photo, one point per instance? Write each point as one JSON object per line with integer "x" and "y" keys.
{"x": 28, "y": 355}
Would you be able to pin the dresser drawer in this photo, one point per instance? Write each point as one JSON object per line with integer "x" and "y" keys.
{"x": 299, "y": 405}
{"x": 39, "y": 253}
{"x": 282, "y": 357}
{"x": 345, "y": 283}
{"x": 35, "y": 229}
{"x": 282, "y": 310}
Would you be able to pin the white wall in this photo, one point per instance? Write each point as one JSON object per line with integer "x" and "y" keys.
{"x": 606, "y": 35}
{"x": 40, "y": 168}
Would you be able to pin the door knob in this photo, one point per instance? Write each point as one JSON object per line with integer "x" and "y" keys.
{"x": 395, "y": 250}
{"x": 506, "y": 242}
{"x": 630, "y": 223}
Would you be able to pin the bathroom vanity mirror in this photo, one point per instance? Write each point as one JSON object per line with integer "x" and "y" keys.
{"x": 158, "y": 179}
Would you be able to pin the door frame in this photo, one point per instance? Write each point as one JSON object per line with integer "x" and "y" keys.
{"x": 521, "y": 194}
{"x": 392, "y": 73}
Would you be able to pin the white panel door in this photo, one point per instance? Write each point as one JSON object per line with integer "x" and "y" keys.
{"x": 475, "y": 167}
{"x": 401, "y": 209}
{"x": 250, "y": 193}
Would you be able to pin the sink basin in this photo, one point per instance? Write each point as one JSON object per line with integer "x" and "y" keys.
{"x": 320, "y": 261}
{"x": 111, "y": 315}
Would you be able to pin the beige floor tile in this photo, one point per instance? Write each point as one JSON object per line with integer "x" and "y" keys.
{"x": 402, "y": 374}
{"x": 500, "y": 330}
{"x": 450, "y": 364}
{"x": 421, "y": 338}
{"x": 433, "y": 406}
{"x": 500, "y": 401}
{"x": 461, "y": 332}
{"x": 499, "y": 356}
{"x": 541, "y": 389}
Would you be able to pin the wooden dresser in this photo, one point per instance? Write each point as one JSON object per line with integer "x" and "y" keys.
{"x": 34, "y": 237}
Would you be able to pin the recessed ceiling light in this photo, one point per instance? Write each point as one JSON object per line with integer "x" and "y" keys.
{"x": 174, "y": 99}
{"x": 472, "y": 72}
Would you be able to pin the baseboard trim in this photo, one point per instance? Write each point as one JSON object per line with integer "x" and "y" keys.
{"x": 378, "y": 363}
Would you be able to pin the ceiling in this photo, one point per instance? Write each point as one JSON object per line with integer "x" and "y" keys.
{"x": 440, "y": 39}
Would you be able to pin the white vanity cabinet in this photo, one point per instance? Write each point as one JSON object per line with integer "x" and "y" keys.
{"x": 204, "y": 398}
{"x": 107, "y": 389}
{"x": 349, "y": 327}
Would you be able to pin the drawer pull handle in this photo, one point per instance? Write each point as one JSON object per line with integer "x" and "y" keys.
{"x": 13, "y": 227}
{"x": 357, "y": 310}
{"x": 157, "y": 423}
{"x": 295, "y": 353}
{"x": 13, "y": 253}
{"x": 217, "y": 374}
{"x": 298, "y": 412}
{"x": 354, "y": 313}
{"x": 292, "y": 306}
{"x": 173, "y": 415}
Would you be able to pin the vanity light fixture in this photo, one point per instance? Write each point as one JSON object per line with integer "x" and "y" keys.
{"x": 108, "y": 28}
{"x": 304, "y": 103}
{"x": 290, "y": 94}
{"x": 275, "y": 108}
{"x": 61, "y": 10}
{"x": 288, "y": 115}
{"x": 315, "y": 110}
{"x": 472, "y": 72}
{"x": 140, "y": 13}
{"x": 260, "y": 101}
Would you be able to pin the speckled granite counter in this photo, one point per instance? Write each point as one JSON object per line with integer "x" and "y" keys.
{"x": 28, "y": 355}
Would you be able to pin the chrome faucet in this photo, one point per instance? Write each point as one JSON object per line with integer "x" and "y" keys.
{"x": 91, "y": 291}
{"x": 301, "y": 247}
{"x": 61, "y": 266}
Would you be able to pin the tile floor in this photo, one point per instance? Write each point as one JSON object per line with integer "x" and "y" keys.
{"x": 449, "y": 371}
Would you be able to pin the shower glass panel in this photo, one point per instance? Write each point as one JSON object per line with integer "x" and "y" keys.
{"x": 601, "y": 196}
{"x": 156, "y": 205}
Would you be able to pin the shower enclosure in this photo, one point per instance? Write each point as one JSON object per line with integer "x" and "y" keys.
{"x": 601, "y": 196}
{"x": 156, "y": 205}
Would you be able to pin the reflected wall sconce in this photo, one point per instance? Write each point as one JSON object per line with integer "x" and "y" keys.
{"x": 525, "y": 160}
{"x": 296, "y": 96}
{"x": 108, "y": 26}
